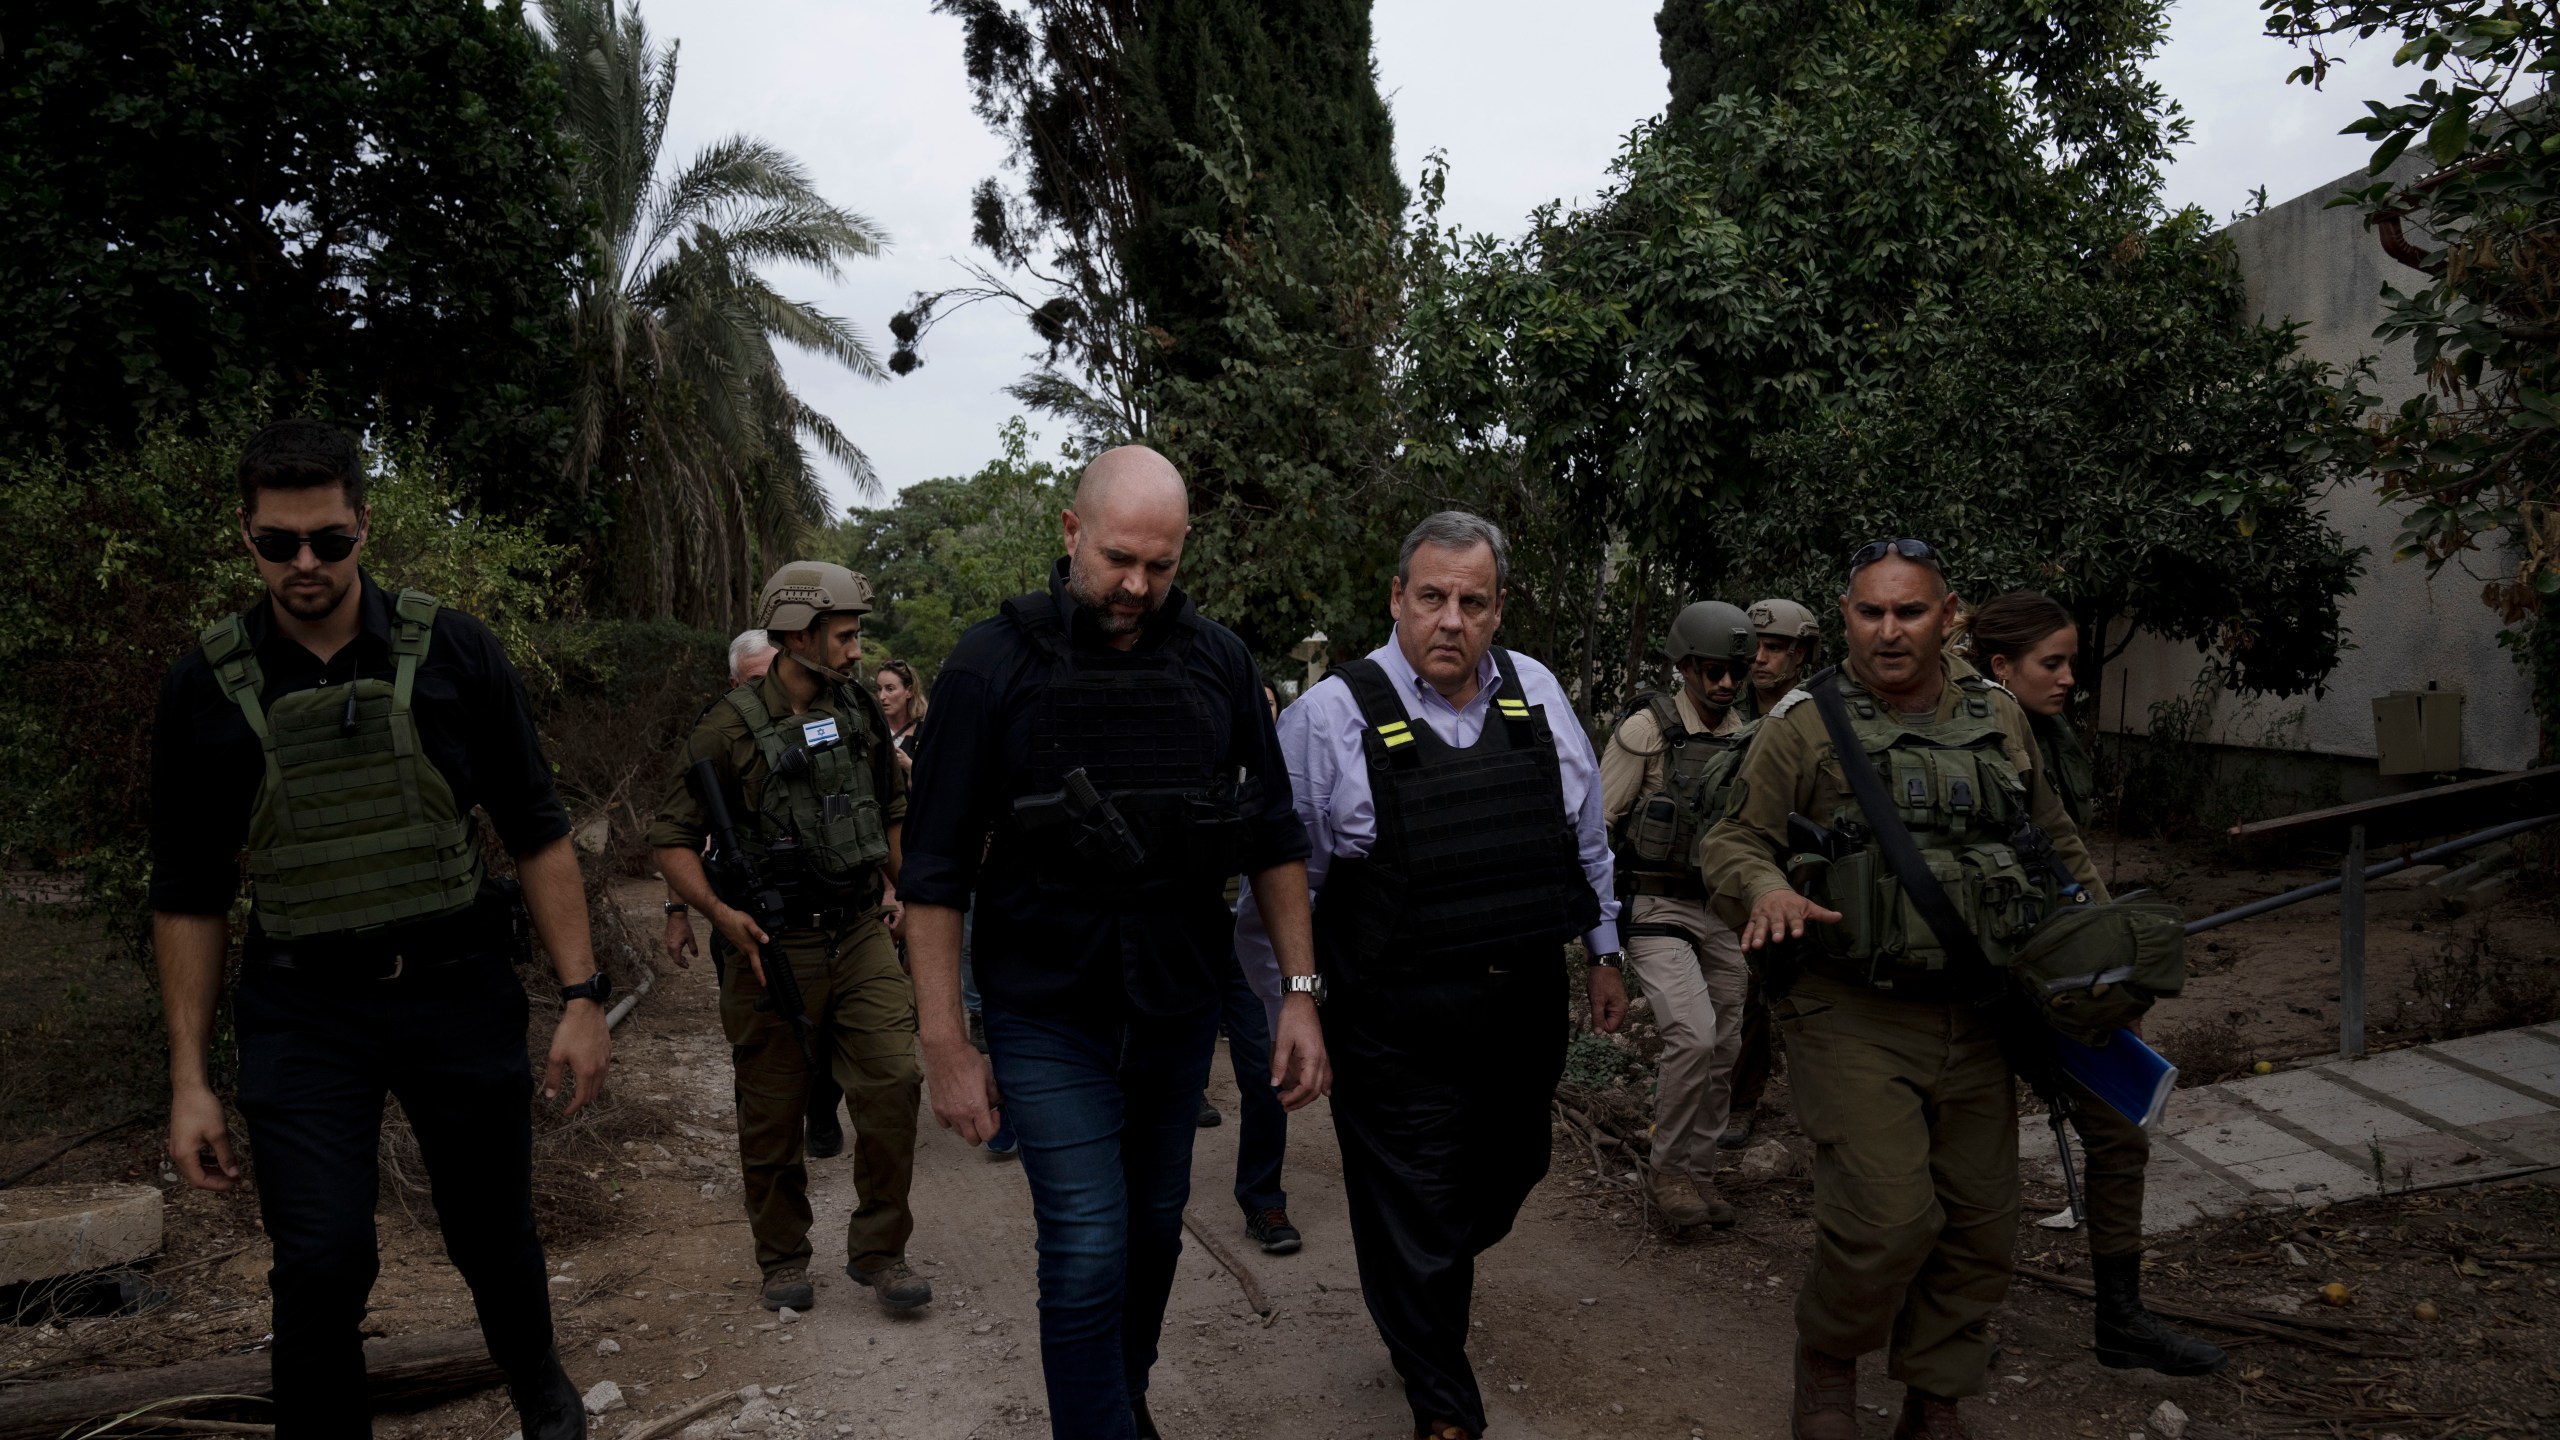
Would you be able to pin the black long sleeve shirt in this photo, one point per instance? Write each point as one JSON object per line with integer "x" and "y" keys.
{"x": 472, "y": 718}
{"x": 1036, "y": 953}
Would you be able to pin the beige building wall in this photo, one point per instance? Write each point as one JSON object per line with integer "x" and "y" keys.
{"x": 2323, "y": 268}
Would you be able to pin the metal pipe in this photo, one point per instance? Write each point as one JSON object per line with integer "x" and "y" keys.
{"x": 2330, "y": 886}
{"x": 2351, "y": 947}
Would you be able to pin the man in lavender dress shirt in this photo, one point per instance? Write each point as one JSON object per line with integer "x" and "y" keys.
{"x": 1456, "y": 840}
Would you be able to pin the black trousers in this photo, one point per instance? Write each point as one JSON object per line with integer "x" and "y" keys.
{"x": 317, "y": 1055}
{"x": 1440, "y": 1094}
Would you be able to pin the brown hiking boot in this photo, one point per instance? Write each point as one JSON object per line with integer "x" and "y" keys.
{"x": 1677, "y": 1197}
{"x": 1926, "y": 1417}
{"x": 787, "y": 1287}
{"x": 1826, "y": 1400}
{"x": 897, "y": 1287}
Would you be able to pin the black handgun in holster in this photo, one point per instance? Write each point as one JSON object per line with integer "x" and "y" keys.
{"x": 2037, "y": 855}
{"x": 1089, "y": 823}
{"x": 761, "y": 893}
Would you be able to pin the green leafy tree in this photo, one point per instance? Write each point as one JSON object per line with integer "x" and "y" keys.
{"x": 2473, "y": 457}
{"x": 945, "y": 553}
{"x": 1890, "y": 269}
{"x": 688, "y": 440}
{"x": 360, "y": 201}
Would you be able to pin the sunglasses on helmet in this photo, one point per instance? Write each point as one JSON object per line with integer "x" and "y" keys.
{"x": 278, "y": 547}
{"x": 1916, "y": 551}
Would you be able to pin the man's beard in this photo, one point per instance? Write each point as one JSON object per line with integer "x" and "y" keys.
{"x": 310, "y": 608}
{"x": 1098, "y": 606}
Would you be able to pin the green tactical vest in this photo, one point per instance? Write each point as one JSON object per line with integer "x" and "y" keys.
{"x": 354, "y": 827}
{"x": 817, "y": 787}
{"x": 1958, "y": 795}
{"x": 1657, "y": 843}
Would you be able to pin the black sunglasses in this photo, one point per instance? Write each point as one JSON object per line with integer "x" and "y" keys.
{"x": 1916, "y": 551}
{"x": 278, "y": 547}
{"x": 1715, "y": 671}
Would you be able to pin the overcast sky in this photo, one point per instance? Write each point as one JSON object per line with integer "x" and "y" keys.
{"x": 1529, "y": 100}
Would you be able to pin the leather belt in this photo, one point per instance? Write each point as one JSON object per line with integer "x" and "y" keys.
{"x": 1674, "y": 887}
{"x": 388, "y": 962}
{"x": 1920, "y": 986}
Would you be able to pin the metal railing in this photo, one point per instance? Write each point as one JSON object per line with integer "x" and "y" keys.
{"x": 2349, "y": 885}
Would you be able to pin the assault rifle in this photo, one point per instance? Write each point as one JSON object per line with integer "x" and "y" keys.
{"x": 747, "y": 887}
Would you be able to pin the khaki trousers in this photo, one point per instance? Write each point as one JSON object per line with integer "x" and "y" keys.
{"x": 866, "y": 1014}
{"x": 1914, "y": 1121}
{"x": 1697, "y": 996}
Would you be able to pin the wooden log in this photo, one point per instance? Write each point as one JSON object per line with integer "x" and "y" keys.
{"x": 1252, "y": 1288}
{"x": 407, "y": 1372}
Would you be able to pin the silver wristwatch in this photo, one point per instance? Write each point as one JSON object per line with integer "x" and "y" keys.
{"x": 1306, "y": 985}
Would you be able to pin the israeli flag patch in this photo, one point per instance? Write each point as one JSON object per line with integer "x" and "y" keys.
{"x": 819, "y": 733}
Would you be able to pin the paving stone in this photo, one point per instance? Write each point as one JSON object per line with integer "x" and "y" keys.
{"x": 50, "y": 1230}
{"x": 2332, "y": 1112}
{"x": 2468, "y": 1100}
{"x": 2245, "y": 1138}
{"x": 2537, "y": 1136}
{"x": 2519, "y": 1057}
{"x": 2329, "y": 1177}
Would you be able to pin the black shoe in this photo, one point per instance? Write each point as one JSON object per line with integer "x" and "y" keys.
{"x": 1271, "y": 1230}
{"x": 897, "y": 1287}
{"x": 826, "y": 1137}
{"x": 2130, "y": 1337}
{"x": 787, "y": 1287}
{"x": 1210, "y": 1119}
{"x": 1737, "y": 1129}
{"x": 1145, "y": 1422}
{"x": 548, "y": 1404}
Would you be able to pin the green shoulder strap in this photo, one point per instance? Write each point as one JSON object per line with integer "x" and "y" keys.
{"x": 414, "y": 624}
{"x": 750, "y": 708}
{"x": 1668, "y": 725}
{"x": 235, "y": 669}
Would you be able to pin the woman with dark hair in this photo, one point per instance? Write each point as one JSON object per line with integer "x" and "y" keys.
{"x": 2027, "y": 642}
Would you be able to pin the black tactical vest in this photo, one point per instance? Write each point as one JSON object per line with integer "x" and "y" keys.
{"x": 1475, "y": 856}
{"x": 1657, "y": 844}
{"x": 1129, "y": 799}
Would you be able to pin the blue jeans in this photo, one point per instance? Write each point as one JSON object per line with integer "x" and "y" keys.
{"x": 1106, "y": 1111}
{"x": 968, "y": 973}
{"x": 1264, "y": 1140}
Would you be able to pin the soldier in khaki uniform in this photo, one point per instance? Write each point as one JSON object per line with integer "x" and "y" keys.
{"x": 1789, "y": 640}
{"x": 817, "y": 793}
{"x": 1662, "y": 783}
{"x": 1897, "y": 1076}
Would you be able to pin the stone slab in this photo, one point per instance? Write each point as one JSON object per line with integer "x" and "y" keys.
{"x": 2521, "y": 1058}
{"x": 2304, "y": 1177}
{"x": 2242, "y": 1139}
{"x": 2335, "y": 1114}
{"x": 2469, "y": 1100}
{"x": 50, "y": 1230}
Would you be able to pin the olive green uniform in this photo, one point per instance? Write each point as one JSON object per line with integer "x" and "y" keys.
{"x": 1905, "y": 1094}
{"x": 849, "y": 975}
{"x": 2118, "y": 1150}
{"x": 1697, "y": 987}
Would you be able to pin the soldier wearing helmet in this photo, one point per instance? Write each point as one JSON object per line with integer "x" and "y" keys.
{"x": 1663, "y": 779}
{"x": 1789, "y": 639}
{"x": 804, "y": 760}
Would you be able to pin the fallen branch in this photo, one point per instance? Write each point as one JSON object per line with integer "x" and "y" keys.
{"x": 683, "y": 1417}
{"x": 66, "y": 1147}
{"x": 405, "y": 1372}
{"x": 2221, "y": 1321}
{"x": 1252, "y": 1288}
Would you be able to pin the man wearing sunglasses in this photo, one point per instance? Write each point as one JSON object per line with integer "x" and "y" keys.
{"x": 1896, "y": 1070}
{"x": 1663, "y": 780}
{"x": 345, "y": 735}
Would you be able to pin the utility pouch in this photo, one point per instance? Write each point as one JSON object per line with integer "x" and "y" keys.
{"x": 1655, "y": 826}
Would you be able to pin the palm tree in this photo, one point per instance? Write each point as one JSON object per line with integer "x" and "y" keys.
{"x": 683, "y": 419}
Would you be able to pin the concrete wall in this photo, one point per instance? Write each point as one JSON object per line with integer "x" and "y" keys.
{"x": 2321, "y": 267}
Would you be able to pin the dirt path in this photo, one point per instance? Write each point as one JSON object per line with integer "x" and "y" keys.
{"x": 1584, "y": 1328}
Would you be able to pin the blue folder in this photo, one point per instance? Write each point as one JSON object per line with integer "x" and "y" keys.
{"x": 2124, "y": 1072}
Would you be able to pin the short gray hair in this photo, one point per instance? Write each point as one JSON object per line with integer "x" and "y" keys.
{"x": 1457, "y": 530}
{"x": 748, "y": 645}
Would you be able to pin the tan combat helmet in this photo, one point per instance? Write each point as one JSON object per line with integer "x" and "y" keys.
{"x": 1712, "y": 630}
{"x": 803, "y": 590}
{"x": 1784, "y": 617}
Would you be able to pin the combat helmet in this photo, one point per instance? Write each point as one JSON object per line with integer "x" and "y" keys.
{"x": 1712, "y": 630}
{"x": 803, "y": 590}
{"x": 1784, "y": 617}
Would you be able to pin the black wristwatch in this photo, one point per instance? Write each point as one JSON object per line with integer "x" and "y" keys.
{"x": 675, "y": 907}
{"x": 597, "y": 987}
{"x": 1310, "y": 985}
{"x": 1608, "y": 960}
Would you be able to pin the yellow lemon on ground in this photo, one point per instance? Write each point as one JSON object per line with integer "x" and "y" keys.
{"x": 2263, "y": 1067}
{"x": 2427, "y": 1310}
{"x": 2335, "y": 1294}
